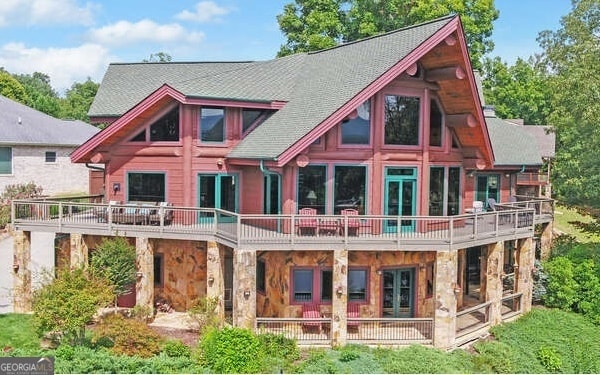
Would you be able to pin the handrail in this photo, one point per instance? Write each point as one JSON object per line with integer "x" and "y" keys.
{"x": 471, "y": 309}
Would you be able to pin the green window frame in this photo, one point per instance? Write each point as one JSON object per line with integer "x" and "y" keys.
{"x": 5, "y": 160}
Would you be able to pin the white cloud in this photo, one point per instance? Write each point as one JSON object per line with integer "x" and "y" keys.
{"x": 206, "y": 11}
{"x": 125, "y": 32}
{"x": 44, "y": 12}
{"x": 64, "y": 65}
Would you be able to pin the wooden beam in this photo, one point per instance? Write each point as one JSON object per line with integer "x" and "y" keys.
{"x": 478, "y": 164}
{"x": 472, "y": 153}
{"x": 461, "y": 120}
{"x": 412, "y": 70}
{"x": 445, "y": 74}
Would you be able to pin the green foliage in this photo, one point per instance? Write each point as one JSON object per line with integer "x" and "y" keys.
{"x": 65, "y": 305}
{"x": 176, "y": 348}
{"x": 17, "y": 331}
{"x": 41, "y": 95}
{"x": 161, "y": 57}
{"x": 12, "y": 89}
{"x": 430, "y": 361}
{"x": 232, "y": 350}
{"x": 561, "y": 290}
{"x": 494, "y": 357}
{"x": 114, "y": 259}
{"x": 203, "y": 312}
{"x": 279, "y": 346}
{"x": 78, "y": 100}
{"x": 16, "y": 191}
{"x": 549, "y": 358}
{"x": 540, "y": 280}
{"x": 128, "y": 336}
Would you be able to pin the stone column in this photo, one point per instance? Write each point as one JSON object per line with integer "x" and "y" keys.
{"x": 215, "y": 283}
{"x": 546, "y": 240}
{"x": 144, "y": 286}
{"x": 79, "y": 251}
{"x": 493, "y": 291}
{"x": 445, "y": 300}
{"x": 524, "y": 281}
{"x": 244, "y": 288}
{"x": 22, "y": 293}
{"x": 339, "y": 315}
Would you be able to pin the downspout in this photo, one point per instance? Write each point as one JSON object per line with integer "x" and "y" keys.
{"x": 103, "y": 170}
{"x": 265, "y": 171}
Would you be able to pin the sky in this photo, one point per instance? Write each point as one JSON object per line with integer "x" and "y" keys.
{"x": 72, "y": 40}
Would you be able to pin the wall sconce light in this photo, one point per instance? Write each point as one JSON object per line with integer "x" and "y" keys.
{"x": 507, "y": 175}
{"x": 220, "y": 162}
{"x": 471, "y": 174}
{"x": 211, "y": 279}
{"x": 379, "y": 272}
{"x": 457, "y": 288}
{"x": 116, "y": 187}
{"x": 339, "y": 291}
{"x": 16, "y": 267}
{"x": 139, "y": 275}
{"x": 516, "y": 266}
{"x": 247, "y": 293}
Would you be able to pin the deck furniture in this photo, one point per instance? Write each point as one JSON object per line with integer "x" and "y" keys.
{"x": 311, "y": 311}
{"x": 307, "y": 225}
{"x": 353, "y": 222}
{"x": 353, "y": 312}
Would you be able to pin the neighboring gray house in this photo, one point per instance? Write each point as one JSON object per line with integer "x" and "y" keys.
{"x": 35, "y": 147}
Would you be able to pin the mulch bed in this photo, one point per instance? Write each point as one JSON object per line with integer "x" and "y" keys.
{"x": 189, "y": 338}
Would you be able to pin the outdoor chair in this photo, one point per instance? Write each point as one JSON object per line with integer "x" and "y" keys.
{"x": 353, "y": 223}
{"x": 309, "y": 224}
{"x": 161, "y": 212}
{"x": 353, "y": 312}
{"x": 311, "y": 311}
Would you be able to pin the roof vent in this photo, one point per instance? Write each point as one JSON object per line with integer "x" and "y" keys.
{"x": 19, "y": 120}
{"x": 489, "y": 111}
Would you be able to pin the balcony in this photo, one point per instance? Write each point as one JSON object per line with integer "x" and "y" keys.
{"x": 282, "y": 232}
{"x": 532, "y": 179}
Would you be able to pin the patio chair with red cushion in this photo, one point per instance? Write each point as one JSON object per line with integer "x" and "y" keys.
{"x": 353, "y": 223}
{"x": 308, "y": 224}
{"x": 311, "y": 311}
{"x": 353, "y": 312}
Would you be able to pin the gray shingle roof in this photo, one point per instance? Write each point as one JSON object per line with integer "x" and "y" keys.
{"x": 22, "y": 125}
{"x": 512, "y": 145}
{"x": 545, "y": 137}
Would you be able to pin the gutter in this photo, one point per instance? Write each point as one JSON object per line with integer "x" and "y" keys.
{"x": 94, "y": 167}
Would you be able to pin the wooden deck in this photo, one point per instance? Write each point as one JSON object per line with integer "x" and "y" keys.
{"x": 279, "y": 232}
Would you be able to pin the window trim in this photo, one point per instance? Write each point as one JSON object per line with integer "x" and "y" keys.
{"x": 128, "y": 173}
{"x": 442, "y": 125}
{"x": 152, "y": 121}
{"x": 367, "y": 284}
{"x": 225, "y": 114}
{"x": 340, "y": 142}
{"x": 404, "y": 93}
{"x": 317, "y": 284}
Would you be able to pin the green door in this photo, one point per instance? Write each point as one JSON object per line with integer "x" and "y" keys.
{"x": 488, "y": 186}
{"x": 400, "y": 198}
{"x": 398, "y": 293}
{"x": 217, "y": 191}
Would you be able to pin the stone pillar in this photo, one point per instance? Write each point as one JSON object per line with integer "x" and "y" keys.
{"x": 22, "y": 294}
{"x": 79, "y": 251}
{"x": 445, "y": 299}
{"x": 215, "y": 282}
{"x": 524, "y": 280}
{"x": 244, "y": 288}
{"x": 546, "y": 240}
{"x": 493, "y": 291}
{"x": 339, "y": 312}
{"x": 144, "y": 286}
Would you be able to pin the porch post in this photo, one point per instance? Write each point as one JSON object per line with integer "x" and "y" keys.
{"x": 215, "y": 283}
{"x": 444, "y": 319}
{"x": 493, "y": 291}
{"x": 244, "y": 289}
{"x": 22, "y": 293}
{"x": 144, "y": 286}
{"x": 524, "y": 280}
{"x": 339, "y": 328}
{"x": 79, "y": 251}
{"x": 546, "y": 240}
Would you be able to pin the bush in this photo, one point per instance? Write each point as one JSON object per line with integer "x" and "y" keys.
{"x": 128, "y": 336}
{"x": 114, "y": 259}
{"x": 232, "y": 350}
{"x": 540, "y": 280}
{"x": 280, "y": 352}
{"x": 64, "y": 306}
{"x": 176, "y": 348}
{"x": 549, "y": 358}
{"x": 16, "y": 191}
{"x": 203, "y": 312}
{"x": 561, "y": 291}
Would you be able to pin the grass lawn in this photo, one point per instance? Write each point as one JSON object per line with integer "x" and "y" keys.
{"x": 543, "y": 341}
{"x": 565, "y": 220}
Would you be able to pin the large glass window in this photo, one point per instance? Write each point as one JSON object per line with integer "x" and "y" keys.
{"x": 212, "y": 124}
{"x": 166, "y": 128}
{"x": 5, "y": 160}
{"x": 350, "y": 188}
{"x": 357, "y": 285}
{"x": 311, "y": 187}
{"x": 357, "y": 129}
{"x": 305, "y": 282}
{"x": 444, "y": 191}
{"x": 435, "y": 124}
{"x": 402, "y": 120}
{"x": 303, "y": 285}
{"x": 146, "y": 187}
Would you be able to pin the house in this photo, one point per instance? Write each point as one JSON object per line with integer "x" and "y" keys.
{"x": 35, "y": 147}
{"x": 334, "y": 196}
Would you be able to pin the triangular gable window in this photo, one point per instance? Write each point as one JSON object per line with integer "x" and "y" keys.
{"x": 140, "y": 137}
{"x": 166, "y": 128}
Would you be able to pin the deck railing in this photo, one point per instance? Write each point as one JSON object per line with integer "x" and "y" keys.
{"x": 512, "y": 305}
{"x": 472, "y": 319}
{"x": 273, "y": 231}
{"x": 532, "y": 179}
{"x": 381, "y": 331}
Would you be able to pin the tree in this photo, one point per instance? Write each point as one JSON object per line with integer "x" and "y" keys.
{"x": 517, "y": 91}
{"x": 311, "y": 25}
{"x": 11, "y": 88}
{"x": 40, "y": 93}
{"x": 161, "y": 57}
{"x": 78, "y": 100}
{"x": 114, "y": 260}
{"x": 572, "y": 56}
{"x": 316, "y": 24}
{"x": 64, "y": 306}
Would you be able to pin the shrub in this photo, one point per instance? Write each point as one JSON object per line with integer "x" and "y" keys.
{"x": 203, "y": 312}
{"x": 114, "y": 259}
{"x": 494, "y": 357}
{"x": 64, "y": 306}
{"x": 16, "y": 191}
{"x": 128, "y": 336}
{"x": 540, "y": 280}
{"x": 588, "y": 290}
{"x": 549, "y": 358}
{"x": 561, "y": 290}
{"x": 280, "y": 352}
{"x": 176, "y": 348}
{"x": 232, "y": 350}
